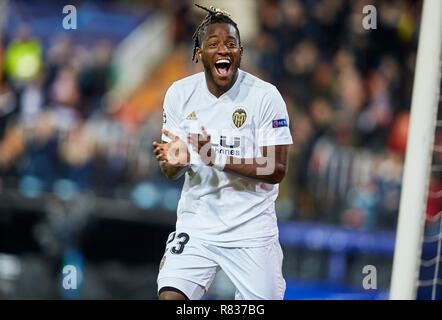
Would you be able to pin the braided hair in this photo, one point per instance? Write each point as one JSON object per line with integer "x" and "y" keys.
{"x": 215, "y": 15}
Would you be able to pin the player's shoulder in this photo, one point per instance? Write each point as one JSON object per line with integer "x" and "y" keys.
{"x": 257, "y": 84}
{"x": 188, "y": 82}
{"x": 262, "y": 91}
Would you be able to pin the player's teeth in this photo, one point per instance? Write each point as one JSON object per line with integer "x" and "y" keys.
{"x": 223, "y": 61}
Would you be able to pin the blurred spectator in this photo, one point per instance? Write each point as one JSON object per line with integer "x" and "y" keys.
{"x": 299, "y": 64}
{"x": 23, "y": 58}
{"x": 399, "y": 132}
{"x": 434, "y": 200}
{"x": 65, "y": 98}
{"x": 40, "y": 153}
{"x": 97, "y": 78}
{"x": 59, "y": 54}
{"x": 7, "y": 106}
{"x": 76, "y": 155}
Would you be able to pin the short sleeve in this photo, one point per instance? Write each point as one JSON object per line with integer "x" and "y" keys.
{"x": 273, "y": 128}
{"x": 171, "y": 118}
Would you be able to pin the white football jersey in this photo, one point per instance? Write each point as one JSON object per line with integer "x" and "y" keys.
{"x": 215, "y": 206}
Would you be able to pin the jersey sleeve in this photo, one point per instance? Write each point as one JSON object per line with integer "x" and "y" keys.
{"x": 171, "y": 115}
{"x": 273, "y": 121}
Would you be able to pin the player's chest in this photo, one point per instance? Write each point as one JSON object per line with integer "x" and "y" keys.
{"x": 217, "y": 115}
{"x": 230, "y": 124}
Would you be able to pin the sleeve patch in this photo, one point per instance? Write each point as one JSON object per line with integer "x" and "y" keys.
{"x": 279, "y": 123}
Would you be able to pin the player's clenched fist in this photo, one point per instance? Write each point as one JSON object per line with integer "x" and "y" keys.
{"x": 173, "y": 153}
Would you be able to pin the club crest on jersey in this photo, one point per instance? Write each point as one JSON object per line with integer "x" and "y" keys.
{"x": 239, "y": 117}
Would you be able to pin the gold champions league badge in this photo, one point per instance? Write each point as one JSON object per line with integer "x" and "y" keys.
{"x": 239, "y": 117}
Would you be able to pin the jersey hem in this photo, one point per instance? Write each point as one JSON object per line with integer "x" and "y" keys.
{"x": 251, "y": 241}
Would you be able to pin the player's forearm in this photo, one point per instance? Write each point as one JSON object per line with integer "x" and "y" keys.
{"x": 172, "y": 172}
{"x": 259, "y": 169}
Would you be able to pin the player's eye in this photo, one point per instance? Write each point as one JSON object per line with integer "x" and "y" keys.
{"x": 213, "y": 45}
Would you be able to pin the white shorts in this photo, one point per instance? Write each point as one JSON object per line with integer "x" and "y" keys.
{"x": 190, "y": 265}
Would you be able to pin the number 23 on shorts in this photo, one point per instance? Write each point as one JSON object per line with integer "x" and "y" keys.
{"x": 182, "y": 237}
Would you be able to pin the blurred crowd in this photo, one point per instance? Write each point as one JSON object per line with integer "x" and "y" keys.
{"x": 348, "y": 92}
{"x": 57, "y": 126}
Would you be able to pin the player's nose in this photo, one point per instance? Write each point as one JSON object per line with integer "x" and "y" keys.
{"x": 222, "y": 49}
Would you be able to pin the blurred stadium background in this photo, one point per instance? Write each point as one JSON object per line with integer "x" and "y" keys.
{"x": 80, "y": 108}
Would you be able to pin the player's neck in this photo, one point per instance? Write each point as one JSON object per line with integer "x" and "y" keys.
{"x": 216, "y": 90}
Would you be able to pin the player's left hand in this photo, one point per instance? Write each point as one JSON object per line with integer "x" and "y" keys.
{"x": 201, "y": 144}
{"x": 173, "y": 153}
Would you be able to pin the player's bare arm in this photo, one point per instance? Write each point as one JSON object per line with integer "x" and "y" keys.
{"x": 173, "y": 156}
{"x": 278, "y": 165}
{"x": 270, "y": 168}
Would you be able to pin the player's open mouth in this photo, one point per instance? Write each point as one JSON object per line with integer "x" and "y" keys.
{"x": 222, "y": 67}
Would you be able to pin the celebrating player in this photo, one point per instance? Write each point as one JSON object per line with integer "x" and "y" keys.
{"x": 227, "y": 132}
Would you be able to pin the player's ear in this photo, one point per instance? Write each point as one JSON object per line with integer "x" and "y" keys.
{"x": 199, "y": 53}
{"x": 241, "y": 50}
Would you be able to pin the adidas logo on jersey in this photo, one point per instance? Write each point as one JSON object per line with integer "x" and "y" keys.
{"x": 192, "y": 116}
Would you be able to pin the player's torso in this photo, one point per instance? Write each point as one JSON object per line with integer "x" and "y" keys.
{"x": 217, "y": 203}
{"x": 230, "y": 120}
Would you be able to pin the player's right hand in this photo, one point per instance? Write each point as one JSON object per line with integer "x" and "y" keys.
{"x": 173, "y": 153}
